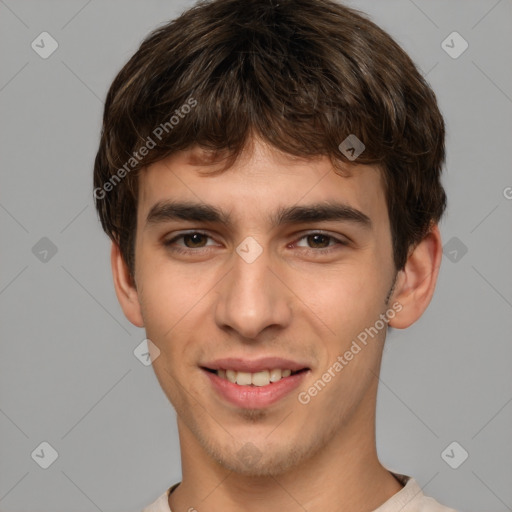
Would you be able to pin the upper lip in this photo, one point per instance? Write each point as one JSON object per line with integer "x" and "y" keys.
{"x": 254, "y": 365}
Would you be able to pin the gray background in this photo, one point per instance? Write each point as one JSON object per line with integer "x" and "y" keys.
{"x": 68, "y": 374}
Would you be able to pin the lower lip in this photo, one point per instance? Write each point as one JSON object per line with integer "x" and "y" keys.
{"x": 253, "y": 397}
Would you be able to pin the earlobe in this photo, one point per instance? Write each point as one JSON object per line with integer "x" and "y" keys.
{"x": 417, "y": 280}
{"x": 126, "y": 291}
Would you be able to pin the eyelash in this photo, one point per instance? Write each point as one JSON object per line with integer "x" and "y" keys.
{"x": 327, "y": 250}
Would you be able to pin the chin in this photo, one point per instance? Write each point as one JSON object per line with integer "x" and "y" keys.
{"x": 251, "y": 461}
{"x": 265, "y": 467}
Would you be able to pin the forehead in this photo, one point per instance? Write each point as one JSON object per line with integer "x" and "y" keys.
{"x": 260, "y": 179}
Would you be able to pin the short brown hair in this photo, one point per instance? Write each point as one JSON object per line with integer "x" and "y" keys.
{"x": 302, "y": 75}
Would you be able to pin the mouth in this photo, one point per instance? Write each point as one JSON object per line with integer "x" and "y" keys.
{"x": 254, "y": 384}
{"x": 258, "y": 379}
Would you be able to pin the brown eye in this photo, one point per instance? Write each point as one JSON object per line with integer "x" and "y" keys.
{"x": 318, "y": 241}
{"x": 194, "y": 240}
{"x": 187, "y": 242}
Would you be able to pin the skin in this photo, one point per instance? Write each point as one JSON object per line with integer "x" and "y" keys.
{"x": 295, "y": 301}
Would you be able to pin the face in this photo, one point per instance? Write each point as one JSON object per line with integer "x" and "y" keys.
{"x": 259, "y": 282}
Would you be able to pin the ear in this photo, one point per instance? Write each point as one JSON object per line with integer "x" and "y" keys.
{"x": 416, "y": 282}
{"x": 124, "y": 285}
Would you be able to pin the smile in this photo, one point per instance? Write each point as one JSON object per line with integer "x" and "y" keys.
{"x": 253, "y": 390}
{"x": 261, "y": 378}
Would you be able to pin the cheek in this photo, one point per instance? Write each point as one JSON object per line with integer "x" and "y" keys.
{"x": 163, "y": 302}
{"x": 345, "y": 299}
{"x": 173, "y": 301}
{"x": 164, "y": 310}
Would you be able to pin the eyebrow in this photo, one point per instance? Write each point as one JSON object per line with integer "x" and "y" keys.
{"x": 165, "y": 211}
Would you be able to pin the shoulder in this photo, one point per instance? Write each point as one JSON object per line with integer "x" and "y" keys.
{"x": 162, "y": 503}
{"x": 411, "y": 499}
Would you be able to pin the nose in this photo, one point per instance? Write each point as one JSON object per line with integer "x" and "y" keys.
{"x": 252, "y": 298}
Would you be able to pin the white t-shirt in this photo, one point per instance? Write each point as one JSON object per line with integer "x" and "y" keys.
{"x": 409, "y": 499}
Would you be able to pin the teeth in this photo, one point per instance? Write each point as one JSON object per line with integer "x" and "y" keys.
{"x": 263, "y": 378}
{"x": 275, "y": 375}
{"x": 243, "y": 378}
{"x": 260, "y": 378}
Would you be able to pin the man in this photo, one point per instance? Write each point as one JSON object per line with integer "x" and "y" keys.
{"x": 269, "y": 174}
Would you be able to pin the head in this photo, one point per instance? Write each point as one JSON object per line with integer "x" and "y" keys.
{"x": 230, "y": 121}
